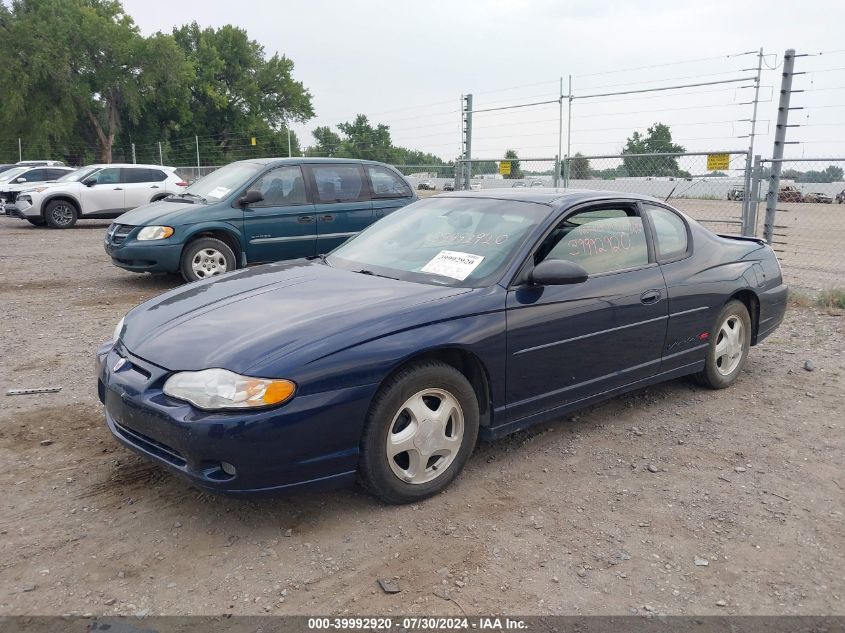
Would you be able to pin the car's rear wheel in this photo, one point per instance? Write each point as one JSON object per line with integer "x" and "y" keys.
{"x": 730, "y": 341}
{"x": 206, "y": 257}
{"x": 36, "y": 221}
{"x": 420, "y": 431}
{"x": 60, "y": 214}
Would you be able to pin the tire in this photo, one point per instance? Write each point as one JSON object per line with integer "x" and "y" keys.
{"x": 36, "y": 221}
{"x": 206, "y": 257}
{"x": 723, "y": 366}
{"x": 60, "y": 214}
{"x": 387, "y": 472}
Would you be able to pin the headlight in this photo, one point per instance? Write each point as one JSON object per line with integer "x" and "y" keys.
{"x": 118, "y": 329}
{"x": 155, "y": 233}
{"x": 223, "y": 389}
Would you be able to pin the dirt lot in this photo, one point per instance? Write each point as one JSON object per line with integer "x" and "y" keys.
{"x": 562, "y": 519}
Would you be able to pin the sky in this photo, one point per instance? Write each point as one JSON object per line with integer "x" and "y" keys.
{"x": 407, "y": 64}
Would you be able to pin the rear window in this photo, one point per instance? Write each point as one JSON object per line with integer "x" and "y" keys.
{"x": 388, "y": 184}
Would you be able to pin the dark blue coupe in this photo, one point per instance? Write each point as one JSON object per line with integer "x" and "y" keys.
{"x": 461, "y": 315}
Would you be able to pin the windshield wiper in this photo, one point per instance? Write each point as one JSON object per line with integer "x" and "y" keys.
{"x": 186, "y": 194}
{"x": 364, "y": 271}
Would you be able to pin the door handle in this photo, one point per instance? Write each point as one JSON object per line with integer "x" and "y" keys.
{"x": 327, "y": 218}
{"x": 650, "y": 296}
{"x": 118, "y": 188}
{"x": 154, "y": 187}
{"x": 305, "y": 219}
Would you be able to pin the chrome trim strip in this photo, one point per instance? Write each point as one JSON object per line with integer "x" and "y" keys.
{"x": 270, "y": 240}
{"x": 674, "y": 314}
{"x": 350, "y": 234}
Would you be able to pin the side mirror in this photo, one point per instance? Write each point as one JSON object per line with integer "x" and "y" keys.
{"x": 21, "y": 179}
{"x": 557, "y": 272}
{"x": 89, "y": 182}
{"x": 251, "y": 196}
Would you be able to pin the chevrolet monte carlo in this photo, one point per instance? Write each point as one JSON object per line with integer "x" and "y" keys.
{"x": 465, "y": 315}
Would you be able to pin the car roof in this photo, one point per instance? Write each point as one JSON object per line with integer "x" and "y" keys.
{"x": 547, "y": 195}
{"x": 300, "y": 160}
{"x": 142, "y": 165}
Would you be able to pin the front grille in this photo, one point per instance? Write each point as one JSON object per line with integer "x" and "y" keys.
{"x": 117, "y": 233}
{"x": 155, "y": 447}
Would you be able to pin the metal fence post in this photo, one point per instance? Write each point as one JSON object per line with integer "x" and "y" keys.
{"x": 197, "y": 139}
{"x": 20, "y": 150}
{"x": 133, "y": 154}
{"x": 750, "y": 219}
{"x": 780, "y": 140}
{"x": 746, "y": 203}
{"x": 160, "y": 156}
{"x": 556, "y": 179}
{"x": 467, "y": 166}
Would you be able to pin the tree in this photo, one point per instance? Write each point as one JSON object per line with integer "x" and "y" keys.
{"x": 657, "y": 140}
{"x": 579, "y": 167}
{"x": 516, "y": 170}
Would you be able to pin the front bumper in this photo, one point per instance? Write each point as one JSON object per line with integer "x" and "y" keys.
{"x": 310, "y": 442}
{"x": 148, "y": 257}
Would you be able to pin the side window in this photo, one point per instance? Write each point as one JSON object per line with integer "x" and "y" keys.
{"x": 34, "y": 175}
{"x": 387, "y": 184}
{"x": 339, "y": 183}
{"x": 281, "y": 187}
{"x": 156, "y": 175}
{"x": 600, "y": 240}
{"x": 53, "y": 174}
{"x": 670, "y": 232}
{"x": 108, "y": 176}
{"x": 135, "y": 174}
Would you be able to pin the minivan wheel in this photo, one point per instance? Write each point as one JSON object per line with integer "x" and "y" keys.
{"x": 206, "y": 257}
{"x": 60, "y": 214}
{"x": 421, "y": 429}
{"x": 727, "y": 352}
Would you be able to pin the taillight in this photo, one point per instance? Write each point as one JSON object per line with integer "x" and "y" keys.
{"x": 181, "y": 183}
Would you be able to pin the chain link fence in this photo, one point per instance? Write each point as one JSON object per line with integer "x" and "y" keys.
{"x": 807, "y": 219}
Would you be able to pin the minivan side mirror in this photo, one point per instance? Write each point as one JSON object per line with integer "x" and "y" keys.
{"x": 251, "y": 196}
{"x": 557, "y": 272}
{"x": 21, "y": 179}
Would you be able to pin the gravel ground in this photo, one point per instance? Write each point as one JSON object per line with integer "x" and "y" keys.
{"x": 672, "y": 499}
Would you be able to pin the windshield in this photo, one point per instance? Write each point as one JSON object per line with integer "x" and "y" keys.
{"x": 13, "y": 173}
{"x": 80, "y": 174}
{"x": 220, "y": 183}
{"x": 465, "y": 242}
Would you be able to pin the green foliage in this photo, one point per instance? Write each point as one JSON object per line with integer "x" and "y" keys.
{"x": 516, "y": 170}
{"x": 658, "y": 139}
{"x": 579, "y": 167}
{"x": 86, "y": 85}
{"x": 832, "y": 173}
{"x": 360, "y": 139}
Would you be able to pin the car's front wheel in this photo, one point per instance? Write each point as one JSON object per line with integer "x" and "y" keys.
{"x": 206, "y": 257}
{"x": 421, "y": 429}
{"x": 727, "y": 352}
{"x": 60, "y": 214}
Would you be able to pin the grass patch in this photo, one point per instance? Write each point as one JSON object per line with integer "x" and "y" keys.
{"x": 832, "y": 299}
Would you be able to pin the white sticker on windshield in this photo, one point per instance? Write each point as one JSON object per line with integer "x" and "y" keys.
{"x": 453, "y": 264}
{"x": 218, "y": 192}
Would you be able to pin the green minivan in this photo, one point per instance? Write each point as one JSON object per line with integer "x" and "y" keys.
{"x": 256, "y": 211}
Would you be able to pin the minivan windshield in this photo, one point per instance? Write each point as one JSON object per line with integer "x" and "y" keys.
{"x": 463, "y": 242}
{"x": 221, "y": 182}
{"x": 80, "y": 174}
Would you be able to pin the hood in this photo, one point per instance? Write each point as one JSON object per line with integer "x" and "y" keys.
{"x": 290, "y": 313}
{"x": 8, "y": 186}
{"x": 161, "y": 212}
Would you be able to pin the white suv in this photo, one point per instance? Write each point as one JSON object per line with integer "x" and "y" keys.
{"x": 96, "y": 191}
{"x": 15, "y": 180}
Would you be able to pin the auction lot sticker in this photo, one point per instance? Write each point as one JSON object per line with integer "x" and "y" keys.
{"x": 453, "y": 264}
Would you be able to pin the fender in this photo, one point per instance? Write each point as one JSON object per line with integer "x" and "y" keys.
{"x": 49, "y": 197}
{"x": 220, "y": 225}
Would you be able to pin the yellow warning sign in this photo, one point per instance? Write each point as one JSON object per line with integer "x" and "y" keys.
{"x": 505, "y": 168}
{"x": 252, "y": 141}
{"x": 716, "y": 162}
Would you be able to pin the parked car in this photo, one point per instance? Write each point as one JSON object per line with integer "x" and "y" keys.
{"x": 536, "y": 183}
{"x": 13, "y": 181}
{"x": 96, "y": 191}
{"x": 840, "y": 197}
{"x": 257, "y": 211}
{"x": 460, "y": 315}
{"x": 790, "y": 193}
{"x": 818, "y": 197}
{"x": 449, "y": 186}
{"x": 475, "y": 186}
{"x": 519, "y": 184}
{"x": 736, "y": 193}
{"x": 426, "y": 185}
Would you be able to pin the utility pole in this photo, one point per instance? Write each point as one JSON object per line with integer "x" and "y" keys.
{"x": 567, "y": 160}
{"x": 746, "y": 199}
{"x": 559, "y": 135}
{"x": 780, "y": 141}
{"x": 466, "y": 132}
